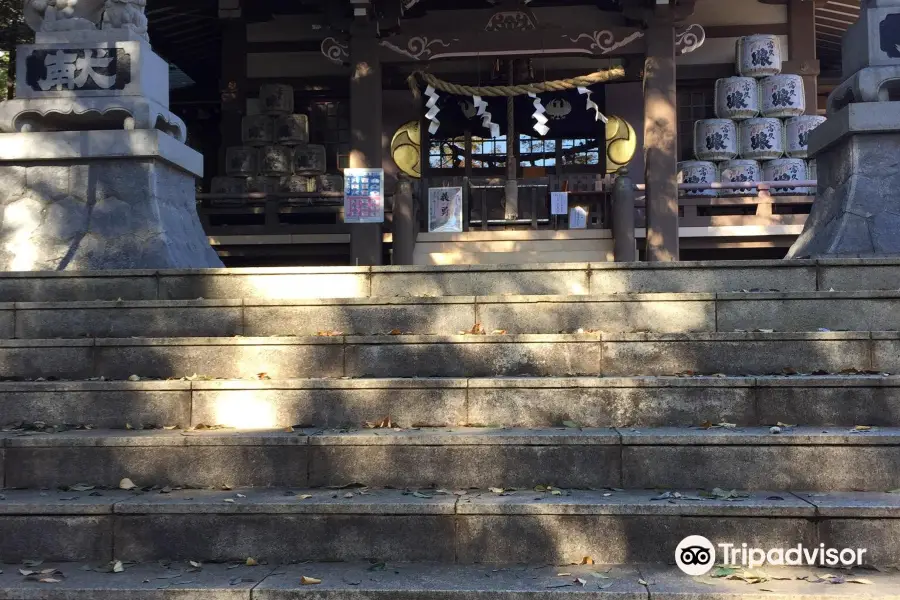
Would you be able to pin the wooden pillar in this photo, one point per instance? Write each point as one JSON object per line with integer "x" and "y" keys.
{"x": 233, "y": 84}
{"x": 512, "y": 142}
{"x": 406, "y": 227}
{"x": 802, "y": 49}
{"x": 623, "y": 218}
{"x": 661, "y": 140}
{"x": 365, "y": 124}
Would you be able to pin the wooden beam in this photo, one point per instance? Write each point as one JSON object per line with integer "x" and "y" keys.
{"x": 802, "y": 46}
{"x": 729, "y": 31}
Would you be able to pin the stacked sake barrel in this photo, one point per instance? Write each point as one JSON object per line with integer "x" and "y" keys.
{"x": 761, "y": 132}
{"x": 276, "y": 156}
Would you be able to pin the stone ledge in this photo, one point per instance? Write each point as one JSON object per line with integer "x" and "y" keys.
{"x": 84, "y": 146}
{"x": 855, "y": 118}
{"x": 759, "y": 436}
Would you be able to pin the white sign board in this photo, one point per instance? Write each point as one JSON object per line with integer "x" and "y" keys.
{"x": 578, "y": 218}
{"x": 445, "y": 210}
{"x": 363, "y": 195}
{"x": 559, "y": 203}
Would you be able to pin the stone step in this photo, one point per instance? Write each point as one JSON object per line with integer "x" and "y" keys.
{"x": 841, "y": 400}
{"x": 368, "y": 580}
{"x": 450, "y": 315}
{"x": 813, "y": 458}
{"x": 482, "y": 526}
{"x": 351, "y": 282}
{"x": 454, "y": 356}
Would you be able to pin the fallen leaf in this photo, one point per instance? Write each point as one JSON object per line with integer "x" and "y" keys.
{"x": 305, "y": 496}
{"x": 642, "y": 582}
{"x": 48, "y": 580}
{"x": 309, "y": 580}
{"x": 558, "y": 493}
{"x": 564, "y": 574}
{"x": 262, "y": 376}
{"x": 134, "y": 378}
{"x": 229, "y": 500}
{"x": 496, "y": 490}
{"x": 723, "y": 571}
{"x": 32, "y": 563}
{"x": 862, "y": 428}
{"x": 81, "y": 487}
{"x": 396, "y": 332}
{"x": 587, "y": 560}
{"x": 251, "y": 562}
{"x": 861, "y": 581}
{"x": 195, "y": 564}
{"x": 570, "y": 424}
{"x": 498, "y": 332}
{"x": 118, "y": 567}
{"x": 599, "y": 575}
{"x": 421, "y": 495}
{"x": 583, "y": 582}
{"x": 26, "y": 572}
{"x": 477, "y": 329}
{"x": 127, "y": 484}
{"x": 703, "y": 581}
{"x": 379, "y": 566}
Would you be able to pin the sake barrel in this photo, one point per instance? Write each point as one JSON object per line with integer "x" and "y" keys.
{"x": 737, "y": 98}
{"x": 275, "y": 160}
{"x": 293, "y": 184}
{"x": 796, "y": 134}
{"x": 329, "y": 183}
{"x": 785, "y": 169}
{"x": 241, "y": 161}
{"x": 257, "y": 130}
{"x": 758, "y": 56}
{"x": 309, "y": 159}
{"x": 697, "y": 171}
{"x": 291, "y": 130}
{"x": 739, "y": 171}
{"x": 782, "y": 96}
{"x": 261, "y": 185}
{"x": 762, "y": 139}
{"x": 715, "y": 139}
{"x": 276, "y": 99}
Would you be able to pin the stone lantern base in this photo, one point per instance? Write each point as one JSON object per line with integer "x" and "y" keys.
{"x": 87, "y": 200}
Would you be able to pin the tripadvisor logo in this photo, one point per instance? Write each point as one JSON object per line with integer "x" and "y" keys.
{"x": 695, "y": 555}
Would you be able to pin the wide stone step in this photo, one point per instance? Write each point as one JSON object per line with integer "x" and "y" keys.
{"x": 621, "y": 313}
{"x": 454, "y": 356}
{"x": 843, "y": 400}
{"x": 350, "y": 282}
{"x": 813, "y": 458}
{"x": 370, "y": 580}
{"x": 463, "y": 526}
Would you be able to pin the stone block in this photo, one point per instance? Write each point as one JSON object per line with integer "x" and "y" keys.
{"x": 285, "y": 538}
{"x": 511, "y": 464}
{"x": 564, "y": 539}
{"x": 854, "y": 311}
{"x": 56, "y": 538}
{"x": 555, "y": 314}
{"x": 12, "y": 184}
{"x": 279, "y": 358}
{"x": 173, "y": 465}
{"x": 408, "y": 403}
{"x": 480, "y": 280}
{"x": 241, "y": 161}
{"x": 324, "y": 282}
{"x": 65, "y": 359}
{"x": 828, "y": 401}
{"x": 734, "y": 353}
{"x": 880, "y": 537}
{"x": 257, "y": 130}
{"x": 275, "y": 160}
{"x": 103, "y": 405}
{"x": 607, "y": 402}
{"x": 291, "y": 130}
{"x": 886, "y": 351}
{"x": 309, "y": 159}
{"x": 446, "y": 316}
{"x": 703, "y": 276}
{"x": 47, "y": 183}
{"x": 859, "y": 274}
{"x": 59, "y": 287}
{"x": 472, "y": 356}
{"x": 871, "y": 468}
{"x": 182, "y": 318}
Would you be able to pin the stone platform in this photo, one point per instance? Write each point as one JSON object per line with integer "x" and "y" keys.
{"x": 83, "y": 200}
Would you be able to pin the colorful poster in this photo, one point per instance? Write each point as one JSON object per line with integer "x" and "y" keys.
{"x": 445, "y": 210}
{"x": 363, "y": 195}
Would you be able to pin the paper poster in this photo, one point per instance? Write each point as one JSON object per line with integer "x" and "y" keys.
{"x": 559, "y": 203}
{"x": 445, "y": 210}
{"x": 578, "y": 218}
{"x": 363, "y": 195}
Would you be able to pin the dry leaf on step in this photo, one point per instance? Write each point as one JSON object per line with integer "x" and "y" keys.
{"x": 118, "y": 567}
{"x": 309, "y": 580}
{"x": 127, "y": 484}
{"x": 587, "y": 560}
{"x": 251, "y": 562}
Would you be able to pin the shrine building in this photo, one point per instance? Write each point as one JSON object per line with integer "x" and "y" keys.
{"x": 281, "y": 96}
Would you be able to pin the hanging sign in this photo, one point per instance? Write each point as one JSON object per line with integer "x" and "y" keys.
{"x": 445, "y": 210}
{"x": 363, "y": 195}
{"x": 578, "y": 218}
{"x": 559, "y": 203}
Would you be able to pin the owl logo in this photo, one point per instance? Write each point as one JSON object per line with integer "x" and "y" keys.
{"x": 558, "y": 108}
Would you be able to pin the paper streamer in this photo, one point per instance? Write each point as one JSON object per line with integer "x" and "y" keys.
{"x": 433, "y": 109}
{"x": 486, "y": 117}
{"x": 540, "y": 120}
{"x": 591, "y": 105}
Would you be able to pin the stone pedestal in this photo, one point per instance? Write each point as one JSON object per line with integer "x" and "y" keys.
{"x": 86, "y": 200}
{"x": 857, "y": 207}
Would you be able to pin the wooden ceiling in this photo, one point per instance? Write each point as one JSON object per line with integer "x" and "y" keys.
{"x": 833, "y": 18}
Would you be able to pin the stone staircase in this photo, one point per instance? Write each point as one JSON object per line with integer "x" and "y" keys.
{"x": 418, "y": 423}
